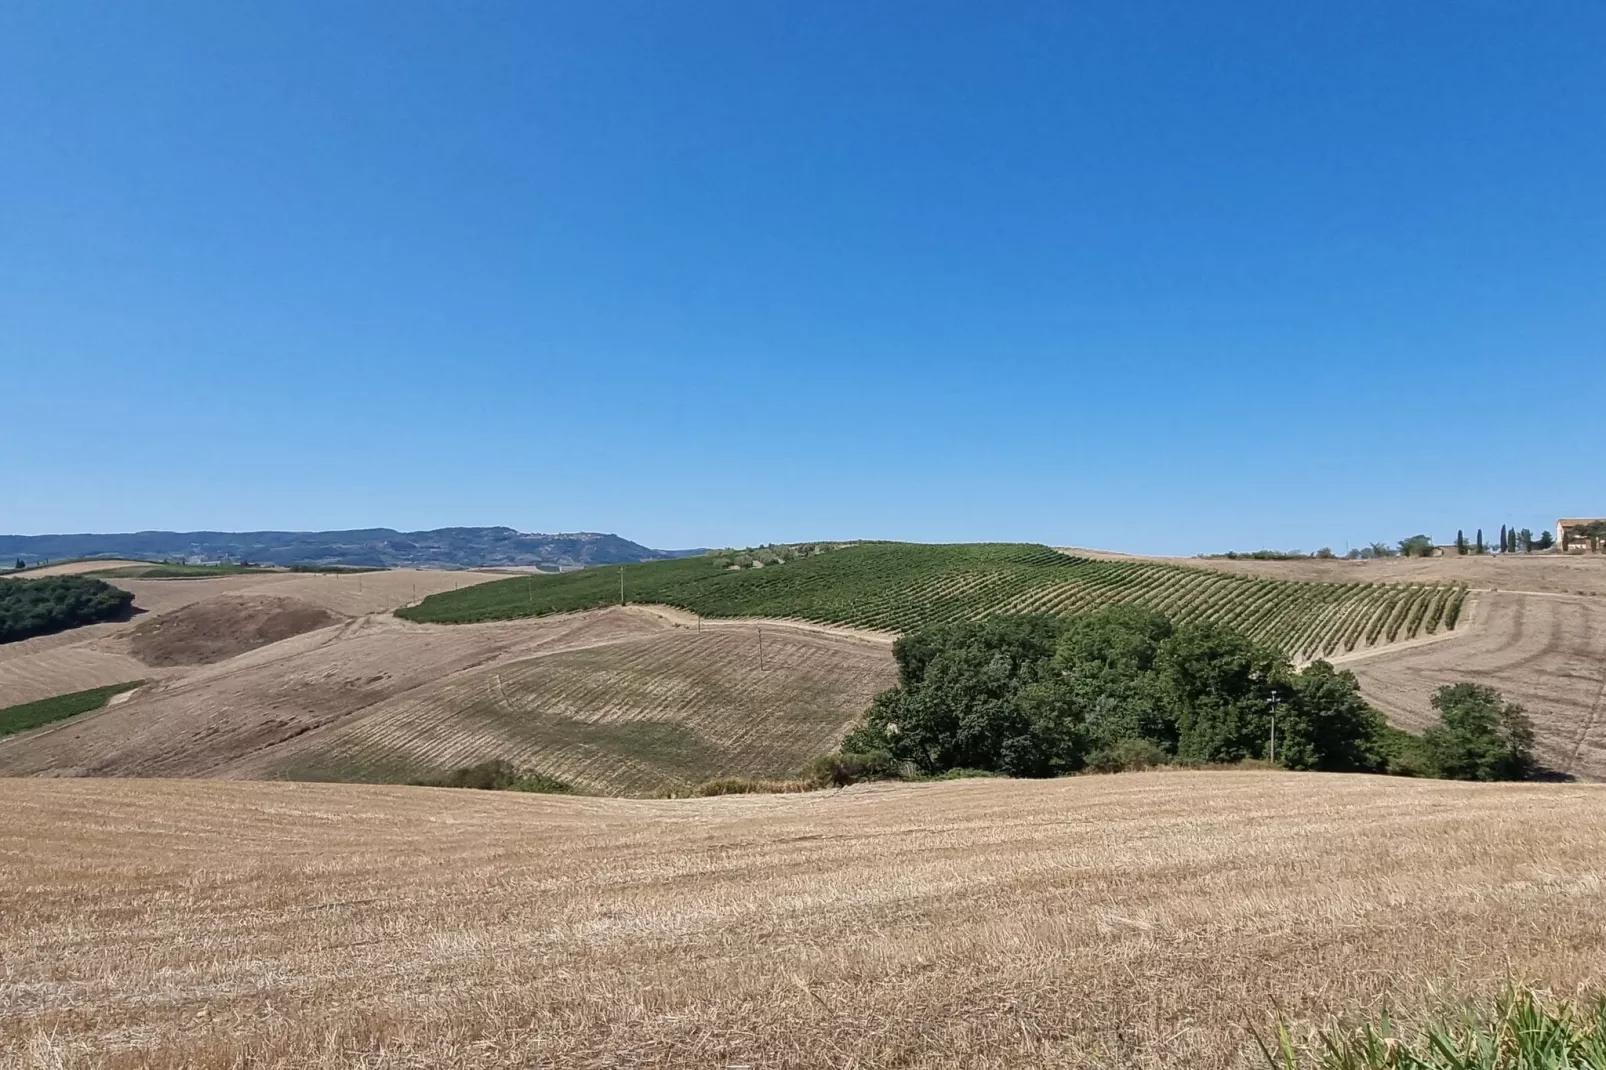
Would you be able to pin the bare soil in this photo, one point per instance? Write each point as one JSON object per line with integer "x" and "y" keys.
{"x": 1136, "y": 921}
{"x": 219, "y": 628}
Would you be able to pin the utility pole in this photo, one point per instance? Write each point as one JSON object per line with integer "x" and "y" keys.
{"x": 621, "y": 585}
{"x": 761, "y": 650}
{"x": 1274, "y": 727}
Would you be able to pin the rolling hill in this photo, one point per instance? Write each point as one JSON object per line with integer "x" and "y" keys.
{"x": 306, "y": 677}
{"x": 381, "y": 547}
{"x": 297, "y": 675}
{"x": 894, "y": 587}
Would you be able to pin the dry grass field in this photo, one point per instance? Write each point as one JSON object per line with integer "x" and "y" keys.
{"x": 667, "y": 709}
{"x": 619, "y": 701}
{"x": 74, "y": 568}
{"x": 1142, "y": 920}
{"x": 1552, "y": 573}
{"x": 1547, "y": 652}
{"x": 100, "y": 654}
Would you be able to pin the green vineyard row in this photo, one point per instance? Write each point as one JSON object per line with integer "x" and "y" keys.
{"x": 901, "y": 586}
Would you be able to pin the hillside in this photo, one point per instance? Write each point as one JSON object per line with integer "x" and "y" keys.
{"x": 1545, "y": 573}
{"x": 251, "y": 684}
{"x": 293, "y": 675}
{"x": 1141, "y": 921}
{"x": 1547, "y": 652}
{"x": 899, "y": 586}
{"x": 98, "y": 654}
{"x": 383, "y": 547}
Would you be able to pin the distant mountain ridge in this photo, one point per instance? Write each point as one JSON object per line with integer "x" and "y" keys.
{"x": 439, "y": 548}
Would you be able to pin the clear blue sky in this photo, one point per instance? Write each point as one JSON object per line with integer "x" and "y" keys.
{"x": 1160, "y": 277}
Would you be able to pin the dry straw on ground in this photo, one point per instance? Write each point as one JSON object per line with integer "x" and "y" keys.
{"x": 1142, "y": 920}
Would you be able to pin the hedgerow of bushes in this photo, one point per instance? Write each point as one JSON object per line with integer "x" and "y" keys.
{"x": 56, "y": 603}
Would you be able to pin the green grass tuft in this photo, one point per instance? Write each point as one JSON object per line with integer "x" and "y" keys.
{"x": 1523, "y": 1031}
{"x": 45, "y": 711}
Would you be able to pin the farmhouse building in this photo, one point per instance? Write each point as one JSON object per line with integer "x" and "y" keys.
{"x": 1589, "y": 533}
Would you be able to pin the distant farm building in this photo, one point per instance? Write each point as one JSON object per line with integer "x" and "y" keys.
{"x": 1581, "y": 533}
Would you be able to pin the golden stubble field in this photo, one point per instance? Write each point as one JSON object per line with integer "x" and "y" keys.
{"x": 1141, "y": 920}
{"x": 100, "y": 653}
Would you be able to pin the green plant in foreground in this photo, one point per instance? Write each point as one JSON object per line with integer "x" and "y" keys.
{"x": 1524, "y": 1031}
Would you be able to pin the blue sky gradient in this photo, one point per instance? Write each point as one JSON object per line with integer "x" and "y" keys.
{"x": 1157, "y": 277}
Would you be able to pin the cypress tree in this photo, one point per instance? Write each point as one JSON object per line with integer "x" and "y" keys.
{"x": 1460, "y": 542}
{"x": 1478, "y": 546}
{"x": 1502, "y": 538}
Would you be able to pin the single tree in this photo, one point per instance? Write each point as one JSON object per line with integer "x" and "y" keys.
{"x": 1502, "y": 538}
{"x": 1480, "y": 736}
{"x": 1461, "y": 542}
{"x": 1478, "y": 547}
{"x": 1525, "y": 541}
{"x": 1416, "y": 546}
{"x": 1546, "y": 540}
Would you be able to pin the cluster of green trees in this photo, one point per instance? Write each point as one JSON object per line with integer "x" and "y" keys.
{"x": 1511, "y": 541}
{"x": 55, "y": 603}
{"x": 1043, "y": 696}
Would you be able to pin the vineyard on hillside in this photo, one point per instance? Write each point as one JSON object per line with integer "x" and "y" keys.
{"x": 902, "y": 586}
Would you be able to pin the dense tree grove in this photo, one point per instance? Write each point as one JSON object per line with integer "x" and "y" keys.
{"x": 54, "y": 603}
{"x": 1125, "y": 687}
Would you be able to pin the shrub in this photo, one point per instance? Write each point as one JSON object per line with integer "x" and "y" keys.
{"x": 840, "y": 770}
{"x": 966, "y": 774}
{"x": 498, "y": 774}
{"x": 735, "y": 785}
{"x": 1127, "y": 756}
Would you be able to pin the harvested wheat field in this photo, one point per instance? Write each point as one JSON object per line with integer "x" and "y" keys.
{"x": 107, "y": 653}
{"x": 1550, "y": 573}
{"x": 663, "y": 710}
{"x": 619, "y": 701}
{"x": 1141, "y": 920}
{"x": 1547, "y": 652}
{"x": 75, "y": 568}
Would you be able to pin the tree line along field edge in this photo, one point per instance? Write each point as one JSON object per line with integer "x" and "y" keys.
{"x": 902, "y": 586}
